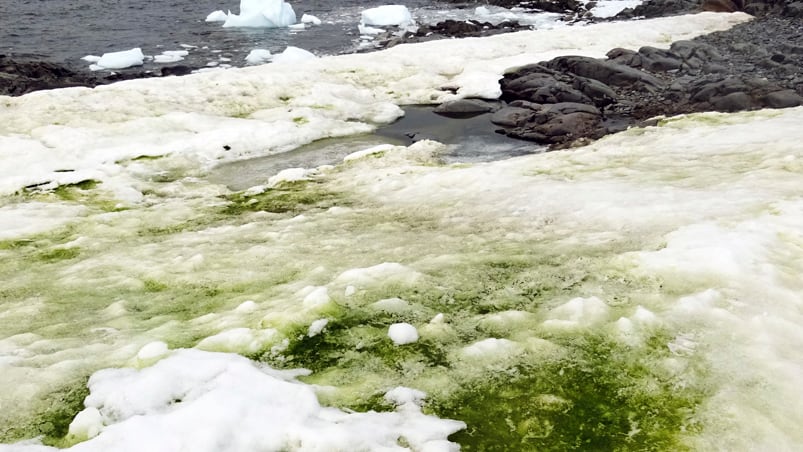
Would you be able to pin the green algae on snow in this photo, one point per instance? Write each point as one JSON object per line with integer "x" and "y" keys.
{"x": 293, "y": 197}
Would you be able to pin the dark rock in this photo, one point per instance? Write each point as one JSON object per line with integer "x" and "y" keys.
{"x": 660, "y": 8}
{"x": 22, "y": 76}
{"x": 464, "y": 108}
{"x": 794, "y": 9}
{"x": 732, "y": 102}
{"x": 722, "y": 6}
{"x": 511, "y": 116}
{"x": 599, "y": 93}
{"x": 658, "y": 60}
{"x": 176, "y": 70}
{"x": 782, "y": 99}
{"x": 607, "y": 72}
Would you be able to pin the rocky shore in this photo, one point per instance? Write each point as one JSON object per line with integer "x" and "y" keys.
{"x": 570, "y": 100}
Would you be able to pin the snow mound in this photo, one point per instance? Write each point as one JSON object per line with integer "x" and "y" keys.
{"x": 203, "y": 401}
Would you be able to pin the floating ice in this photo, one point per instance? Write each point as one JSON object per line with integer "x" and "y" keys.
{"x": 217, "y": 16}
{"x": 293, "y": 55}
{"x": 387, "y": 15}
{"x": 402, "y": 333}
{"x": 119, "y": 60}
{"x": 258, "y": 56}
{"x": 260, "y": 14}
{"x": 170, "y": 56}
{"x": 310, "y": 19}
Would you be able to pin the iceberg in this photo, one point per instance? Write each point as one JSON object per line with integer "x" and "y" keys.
{"x": 386, "y": 16}
{"x": 118, "y": 60}
{"x": 258, "y": 14}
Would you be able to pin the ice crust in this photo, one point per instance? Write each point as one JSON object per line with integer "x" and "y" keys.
{"x": 690, "y": 228}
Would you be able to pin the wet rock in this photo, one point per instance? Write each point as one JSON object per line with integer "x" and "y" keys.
{"x": 22, "y": 76}
{"x": 599, "y": 93}
{"x": 176, "y": 70}
{"x": 464, "y": 108}
{"x": 737, "y": 101}
{"x": 511, "y": 116}
{"x": 660, "y": 8}
{"x": 607, "y": 72}
{"x": 782, "y": 99}
{"x": 540, "y": 88}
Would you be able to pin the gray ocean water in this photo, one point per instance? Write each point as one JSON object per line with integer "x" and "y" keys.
{"x": 63, "y": 31}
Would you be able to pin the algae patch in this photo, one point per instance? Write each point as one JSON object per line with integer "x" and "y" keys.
{"x": 287, "y": 197}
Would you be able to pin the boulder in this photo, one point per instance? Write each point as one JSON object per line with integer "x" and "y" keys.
{"x": 607, "y": 72}
{"x": 464, "y": 108}
{"x": 782, "y": 99}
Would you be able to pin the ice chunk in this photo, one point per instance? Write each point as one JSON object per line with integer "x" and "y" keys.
{"x": 309, "y": 19}
{"x": 120, "y": 60}
{"x": 402, "y": 333}
{"x": 288, "y": 175}
{"x": 246, "y": 306}
{"x": 152, "y": 351}
{"x": 258, "y": 56}
{"x": 240, "y": 340}
{"x": 578, "y": 312}
{"x": 86, "y": 424}
{"x": 317, "y": 327}
{"x": 262, "y": 14}
{"x": 387, "y": 15}
{"x": 170, "y": 56}
{"x": 384, "y": 272}
{"x": 293, "y": 54}
{"x": 217, "y": 16}
{"x": 366, "y": 152}
{"x": 316, "y": 297}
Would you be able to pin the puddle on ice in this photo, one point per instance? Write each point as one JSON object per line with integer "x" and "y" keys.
{"x": 469, "y": 140}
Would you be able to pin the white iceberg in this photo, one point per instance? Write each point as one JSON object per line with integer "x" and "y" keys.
{"x": 118, "y": 60}
{"x": 310, "y": 19}
{"x": 217, "y": 16}
{"x": 386, "y": 16}
{"x": 258, "y": 56}
{"x": 170, "y": 56}
{"x": 293, "y": 54}
{"x": 260, "y": 14}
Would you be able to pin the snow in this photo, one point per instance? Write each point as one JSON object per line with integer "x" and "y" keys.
{"x": 118, "y": 60}
{"x": 373, "y": 150}
{"x": 691, "y": 227}
{"x": 402, "y": 333}
{"x": 241, "y": 406}
{"x": 387, "y": 15}
{"x": 258, "y": 56}
{"x": 259, "y": 14}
